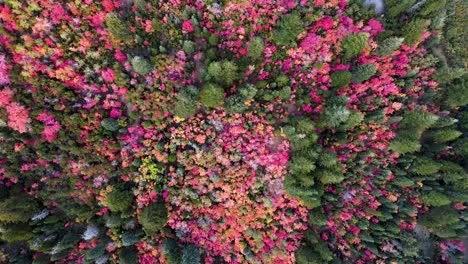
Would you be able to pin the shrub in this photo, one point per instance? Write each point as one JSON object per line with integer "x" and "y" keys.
{"x": 363, "y": 73}
{"x": 340, "y": 79}
{"x": 153, "y": 218}
{"x": 211, "y": 95}
{"x": 353, "y": 45}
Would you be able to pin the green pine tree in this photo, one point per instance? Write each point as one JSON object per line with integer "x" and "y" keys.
{"x": 128, "y": 255}
{"x": 413, "y": 31}
{"x": 435, "y": 198}
{"x": 363, "y": 73}
{"x": 445, "y": 135}
{"x": 153, "y": 218}
{"x": 190, "y": 254}
{"x": 119, "y": 199}
{"x": 18, "y": 209}
{"x": 117, "y": 28}
{"x": 395, "y": 8}
{"x": 354, "y": 44}
{"x": 287, "y": 29}
{"x": 387, "y": 46}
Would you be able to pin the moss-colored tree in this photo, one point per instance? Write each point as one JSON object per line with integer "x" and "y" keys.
{"x": 189, "y": 47}
{"x": 18, "y": 232}
{"x": 256, "y": 48}
{"x": 186, "y": 102}
{"x": 141, "y": 66}
{"x": 419, "y": 120}
{"x": 248, "y": 91}
{"x": 330, "y": 176}
{"x": 222, "y": 72}
{"x": 340, "y": 79}
{"x": 447, "y": 75}
{"x": 441, "y": 220}
{"x": 235, "y": 104}
{"x": 211, "y": 95}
